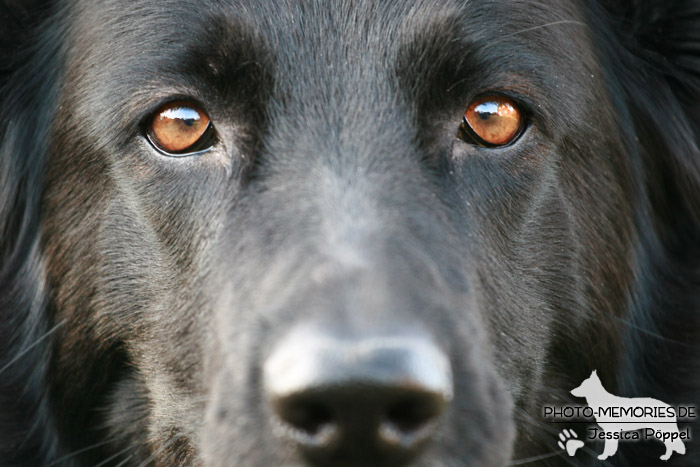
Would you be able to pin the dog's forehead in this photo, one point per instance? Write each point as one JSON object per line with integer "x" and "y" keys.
{"x": 375, "y": 27}
{"x": 314, "y": 50}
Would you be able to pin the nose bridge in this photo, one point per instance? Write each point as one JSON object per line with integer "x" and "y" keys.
{"x": 360, "y": 202}
{"x": 353, "y": 240}
{"x": 344, "y": 150}
{"x": 371, "y": 258}
{"x": 356, "y": 230}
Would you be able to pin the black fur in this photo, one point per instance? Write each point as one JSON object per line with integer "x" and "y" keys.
{"x": 140, "y": 294}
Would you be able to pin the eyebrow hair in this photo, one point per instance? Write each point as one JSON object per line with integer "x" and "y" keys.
{"x": 229, "y": 52}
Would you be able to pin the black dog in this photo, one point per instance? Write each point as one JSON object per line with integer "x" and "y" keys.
{"x": 352, "y": 233}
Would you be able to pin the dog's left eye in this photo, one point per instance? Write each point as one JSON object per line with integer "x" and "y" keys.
{"x": 492, "y": 121}
{"x": 180, "y": 128}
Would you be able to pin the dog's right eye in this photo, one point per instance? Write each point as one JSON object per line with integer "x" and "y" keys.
{"x": 492, "y": 121}
{"x": 180, "y": 129}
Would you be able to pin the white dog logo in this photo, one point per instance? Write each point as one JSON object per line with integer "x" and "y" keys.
{"x": 619, "y": 414}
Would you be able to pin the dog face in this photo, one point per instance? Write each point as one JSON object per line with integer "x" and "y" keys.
{"x": 334, "y": 201}
{"x": 366, "y": 233}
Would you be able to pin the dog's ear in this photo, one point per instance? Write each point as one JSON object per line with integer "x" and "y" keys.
{"x": 28, "y": 64}
{"x": 19, "y": 21}
{"x": 652, "y": 54}
{"x": 665, "y": 35}
{"x": 29, "y": 60}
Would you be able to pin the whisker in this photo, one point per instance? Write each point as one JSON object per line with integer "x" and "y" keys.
{"x": 124, "y": 461}
{"x": 529, "y": 460}
{"x": 542, "y": 26}
{"x": 80, "y": 451}
{"x": 522, "y": 31}
{"x": 26, "y": 350}
{"x": 648, "y": 332}
{"x": 521, "y": 415}
{"x": 114, "y": 456}
{"x": 161, "y": 449}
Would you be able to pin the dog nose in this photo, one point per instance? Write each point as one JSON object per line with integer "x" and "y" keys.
{"x": 369, "y": 401}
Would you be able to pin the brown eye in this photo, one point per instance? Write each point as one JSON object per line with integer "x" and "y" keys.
{"x": 180, "y": 128}
{"x": 492, "y": 121}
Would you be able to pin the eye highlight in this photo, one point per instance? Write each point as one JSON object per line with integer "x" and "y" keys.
{"x": 492, "y": 121}
{"x": 180, "y": 128}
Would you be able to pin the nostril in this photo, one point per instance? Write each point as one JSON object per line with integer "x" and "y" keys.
{"x": 306, "y": 416}
{"x": 410, "y": 422}
{"x": 415, "y": 413}
{"x": 309, "y": 423}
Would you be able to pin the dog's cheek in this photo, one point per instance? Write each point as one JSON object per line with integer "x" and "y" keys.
{"x": 160, "y": 308}
{"x": 125, "y": 281}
